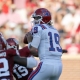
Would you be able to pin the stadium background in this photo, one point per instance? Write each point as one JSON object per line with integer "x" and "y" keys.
{"x": 15, "y": 21}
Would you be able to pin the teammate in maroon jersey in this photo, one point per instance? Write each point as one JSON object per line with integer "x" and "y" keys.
{"x": 21, "y": 72}
{"x": 6, "y": 60}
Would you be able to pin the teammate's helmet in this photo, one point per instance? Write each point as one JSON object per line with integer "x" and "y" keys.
{"x": 3, "y": 43}
{"x": 41, "y": 16}
{"x": 13, "y": 42}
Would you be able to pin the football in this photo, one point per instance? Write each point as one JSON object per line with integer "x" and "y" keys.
{"x": 25, "y": 40}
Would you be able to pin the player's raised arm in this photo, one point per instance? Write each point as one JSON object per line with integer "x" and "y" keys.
{"x": 32, "y": 49}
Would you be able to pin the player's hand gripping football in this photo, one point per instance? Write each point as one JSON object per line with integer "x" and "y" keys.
{"x": 29, "y": 37}
{"x": 25, "y": 39}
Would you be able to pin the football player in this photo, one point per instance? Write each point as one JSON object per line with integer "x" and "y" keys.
{"x": 21, "y": 72}
{"x": 6, "y": 59}
{"x": 43, "y": 41}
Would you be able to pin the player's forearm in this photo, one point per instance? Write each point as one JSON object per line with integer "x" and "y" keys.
{"x": 33, "y": 50}
{"x": 34, "y": 53}
{"x": 29, "y": 62}
{"x": 20, "y": 60}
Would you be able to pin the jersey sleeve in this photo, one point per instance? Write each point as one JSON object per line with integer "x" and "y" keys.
{"x": 12, "y": 52}
{"x": 36, "y": 32}
{"x": 24, "y": 52}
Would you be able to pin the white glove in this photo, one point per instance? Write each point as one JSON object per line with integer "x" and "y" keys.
{"x": 31, "y": 62}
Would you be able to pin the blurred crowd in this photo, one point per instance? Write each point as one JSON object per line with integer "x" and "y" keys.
{"x": 15, "y": 20}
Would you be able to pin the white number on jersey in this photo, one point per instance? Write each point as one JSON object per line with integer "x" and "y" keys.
{"x": 4, "y": 69}
{"x": 22, "y": 70}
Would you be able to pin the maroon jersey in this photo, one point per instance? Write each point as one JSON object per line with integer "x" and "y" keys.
{"x": 6, "y": 64}
{"x": 21, "y": 72}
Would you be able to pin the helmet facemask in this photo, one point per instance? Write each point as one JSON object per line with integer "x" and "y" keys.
{"x": 37, "y": 19}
